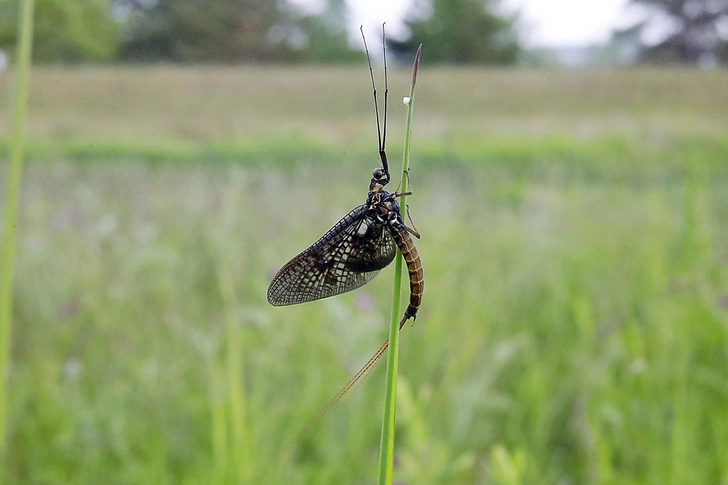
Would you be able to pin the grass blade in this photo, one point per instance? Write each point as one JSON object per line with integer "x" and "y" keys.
{"x": 7, "y": 249}
{"x": 386, "y": 450}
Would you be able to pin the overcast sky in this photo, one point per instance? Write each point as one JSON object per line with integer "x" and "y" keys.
{"x": 547, "y": 23}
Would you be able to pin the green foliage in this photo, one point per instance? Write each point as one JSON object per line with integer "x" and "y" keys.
{"x": 65, "y": 30}
{"x": 325, "y": 34}
{"x": 234, "y": 31}
{"x": 573, "y": 328}
{"x": 461, "y": 32}
{"x": 325, "y": 41}
{"x": 207, "y": 31}
{"x": 694, "y": 31}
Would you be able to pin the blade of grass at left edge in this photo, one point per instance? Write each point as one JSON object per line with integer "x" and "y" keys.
{"x": 386, "y": 450}
{"x": 15, "y": 171}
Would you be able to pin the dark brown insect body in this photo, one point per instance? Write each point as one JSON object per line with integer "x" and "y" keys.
{"x": 352, "y": 252}
{"x": 414, "y": 267}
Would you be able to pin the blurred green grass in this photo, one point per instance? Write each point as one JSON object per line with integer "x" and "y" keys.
{"x": 573, "y": 328}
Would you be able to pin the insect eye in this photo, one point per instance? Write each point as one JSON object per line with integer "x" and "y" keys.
{"x": 378, "y": 173}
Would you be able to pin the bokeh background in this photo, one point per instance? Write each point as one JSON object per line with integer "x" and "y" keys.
{"x": 570, "y": 184}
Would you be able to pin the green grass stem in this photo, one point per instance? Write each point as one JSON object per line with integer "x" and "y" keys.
{"x": 241, "y": 463}
{"x": 386, "y": 450}
{"x": 7, "y": 249}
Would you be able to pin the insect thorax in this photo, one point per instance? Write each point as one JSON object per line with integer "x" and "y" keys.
{"x": 382, "y": 207}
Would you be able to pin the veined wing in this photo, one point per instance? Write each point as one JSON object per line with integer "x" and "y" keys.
{"x": 348, "y": 256}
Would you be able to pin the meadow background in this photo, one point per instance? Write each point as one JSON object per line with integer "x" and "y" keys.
{"x": 574, "y": 327}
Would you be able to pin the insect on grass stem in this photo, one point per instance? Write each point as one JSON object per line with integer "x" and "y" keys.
{"x": 386, "y": 451}
{"x": 356, "y": 248}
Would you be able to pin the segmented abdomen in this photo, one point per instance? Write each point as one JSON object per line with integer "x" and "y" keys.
{"x": 414, "y": 267}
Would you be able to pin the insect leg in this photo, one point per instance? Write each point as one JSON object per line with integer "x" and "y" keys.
{"x": 412, "y": 230}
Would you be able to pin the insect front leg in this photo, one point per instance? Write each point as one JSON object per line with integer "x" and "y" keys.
{"x": 413, "y": 229}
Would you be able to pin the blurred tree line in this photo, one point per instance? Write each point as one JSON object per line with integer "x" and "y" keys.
{"x": 690, "y": 32}
{"x": 693, "y": 32}
{"x": 64, "y": 30}
{"x": 230, "y": 31}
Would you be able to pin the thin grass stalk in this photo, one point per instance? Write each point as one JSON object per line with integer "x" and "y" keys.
{"x": 386, "y": 450}
{"x": 218, "y": 424}
{"x": 241, "y": 464}
{"x": 7, "y": 249}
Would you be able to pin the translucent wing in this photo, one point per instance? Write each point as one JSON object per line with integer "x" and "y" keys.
{"x": 348, "y": 256}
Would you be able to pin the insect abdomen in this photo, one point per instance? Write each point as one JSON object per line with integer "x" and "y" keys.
{"x": 414, "y": 268}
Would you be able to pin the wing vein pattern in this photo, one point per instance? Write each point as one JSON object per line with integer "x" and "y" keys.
{"x": 347, "y": 257}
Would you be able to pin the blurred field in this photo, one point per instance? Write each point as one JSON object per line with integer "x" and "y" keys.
{"x": 575, "y": 242}
{"x": 172, "y": 112}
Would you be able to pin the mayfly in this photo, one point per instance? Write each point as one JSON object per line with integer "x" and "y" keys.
{"x": 357, "y": 247}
